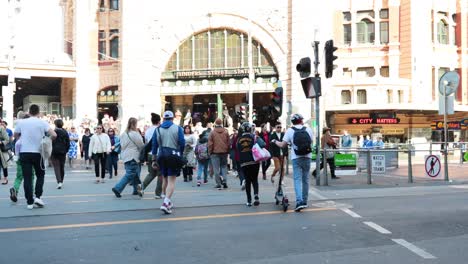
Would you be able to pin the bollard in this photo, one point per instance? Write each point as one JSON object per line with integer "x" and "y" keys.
{"x": 461, "y": 155}
{"x": 324, "y": 160}
{"x": 369, "y": 167}
{"x": 410, "y": 165}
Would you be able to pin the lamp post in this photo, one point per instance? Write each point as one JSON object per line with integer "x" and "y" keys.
{"x": 251, "y": 71}
{"x": 13, "y": 10}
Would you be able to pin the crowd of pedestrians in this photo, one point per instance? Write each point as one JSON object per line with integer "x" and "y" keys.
{"x": 198, "y": 154}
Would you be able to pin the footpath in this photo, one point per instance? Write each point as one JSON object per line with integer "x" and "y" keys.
{"x": 81, "y": 195}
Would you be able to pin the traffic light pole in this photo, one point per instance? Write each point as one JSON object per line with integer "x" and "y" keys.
{"x": 317, "y": 120}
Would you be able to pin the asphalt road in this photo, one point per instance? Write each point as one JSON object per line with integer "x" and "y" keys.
{"x": 85, "y": 223}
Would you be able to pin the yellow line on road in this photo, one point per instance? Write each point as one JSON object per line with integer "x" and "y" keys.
{"x": 144, "y": 221}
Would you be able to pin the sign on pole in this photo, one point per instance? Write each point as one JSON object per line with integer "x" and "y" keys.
{"x": 378, "y": 164}
{"x": 432, "y": 165}
{"x": 345, "y": 164}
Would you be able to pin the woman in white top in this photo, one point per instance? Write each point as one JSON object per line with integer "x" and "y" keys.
{"x": 131, "y": 143}
{"x": 99, "y": 147}
{"x": 189, "y": 153}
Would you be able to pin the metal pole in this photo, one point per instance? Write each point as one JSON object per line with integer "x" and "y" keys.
{"x": 251, "y": 72}
{"x": 410, "y": 165}
{"x": 446, "y": 176}
{"x": 317, "y": 118}
{"x": 325, "y": 179}
{"x": 430, "y": 148}
{"x": 369, "y": 167}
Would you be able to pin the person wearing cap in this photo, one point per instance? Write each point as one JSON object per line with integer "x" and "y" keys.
{"x": 301, "y": 162}
{"x": 327, "y": 142}
{"x": 167, "y": 135}
{"x": 218, "y": 148}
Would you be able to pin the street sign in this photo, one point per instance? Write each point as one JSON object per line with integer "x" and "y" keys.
{"x": 378, "y": 164}
{"x": 345, "y": 164}
{"x": 449, "y": 82}
{"x": 432, "y": 165}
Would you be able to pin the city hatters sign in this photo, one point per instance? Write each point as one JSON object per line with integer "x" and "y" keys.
{"x": 380, "y": 121}
{"x": 267, "y": 71}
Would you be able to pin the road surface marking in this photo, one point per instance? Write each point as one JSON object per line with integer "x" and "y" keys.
{"x": 143, "y": 221}
{"x": 316, "y": 193}
{"x": 79, "y": 202}
{"x": 418, "y": 251}
{"x": 351, "y": 213}
{"x": 378, "y": 228}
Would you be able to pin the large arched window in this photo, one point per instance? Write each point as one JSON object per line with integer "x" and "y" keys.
{"x": 218, "y": 49}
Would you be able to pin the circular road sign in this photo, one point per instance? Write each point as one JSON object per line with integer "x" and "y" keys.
{"x": 449, "y": 81}
{"x": 432, "y": 166}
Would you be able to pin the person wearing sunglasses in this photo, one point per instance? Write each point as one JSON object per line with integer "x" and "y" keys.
{"x": 99, "y": 148}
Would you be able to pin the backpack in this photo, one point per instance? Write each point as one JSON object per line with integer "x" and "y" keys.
{"x": 302, "y": 141}
{"x": 61, "y": 144}
{"x": 202, "y": 151}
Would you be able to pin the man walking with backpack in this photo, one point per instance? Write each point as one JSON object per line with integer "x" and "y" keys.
{"x": 300, "y": 139}
{"x": 32, "y": 131}
{"x": 168, "y": 145}
{"x": 60, "y": 148}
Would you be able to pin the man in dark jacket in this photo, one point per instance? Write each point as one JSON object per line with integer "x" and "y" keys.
{"x": 218, "y": 148}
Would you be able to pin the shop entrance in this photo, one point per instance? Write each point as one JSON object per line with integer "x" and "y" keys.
{"x": 108, "y": 109}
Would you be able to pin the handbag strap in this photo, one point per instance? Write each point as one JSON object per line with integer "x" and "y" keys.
{"x": 128, "y": 135}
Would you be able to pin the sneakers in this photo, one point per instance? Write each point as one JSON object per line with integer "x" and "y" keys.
{"x": 39, "y": 202}
{"x": 248, "y": 204}
{"x": 163, "y": 196}
{"x": 59, "y": 185}
{"x": 139, "y": 190}
{"x": 30, "y": 206}
{"x": 243, "y": 185}
{"x": 257, "y": 201}
{"x": 117, "y": 194}
{"x": 166, "y": 208}
{"x": 198, "y": 183}
{"x": 205, "y": 181}
{"x": 13, "y": 197}
{"x": 300, "y": 206}
{"x": 97, "y": 180}
{"x": 218, "y": 187}
{"x": 157, "y": 197}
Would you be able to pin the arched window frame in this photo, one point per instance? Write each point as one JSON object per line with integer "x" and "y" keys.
{"x": 220, "y": 50}
{"x": 443, "y": 32}
{"x": 365, "y": 31}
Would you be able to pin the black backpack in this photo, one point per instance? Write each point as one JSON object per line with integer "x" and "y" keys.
{"x": 302, "y": 141}
{"x": 61, "y": 144}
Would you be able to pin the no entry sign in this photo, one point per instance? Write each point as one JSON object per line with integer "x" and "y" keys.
{"x": 432, "y": 165}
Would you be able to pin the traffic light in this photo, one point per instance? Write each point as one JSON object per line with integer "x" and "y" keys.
{"x": 304, "y": 67}
{"x": 329, "y": 58}
{"x": 242, "y": 113}
{"x": 277, "y": 99}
